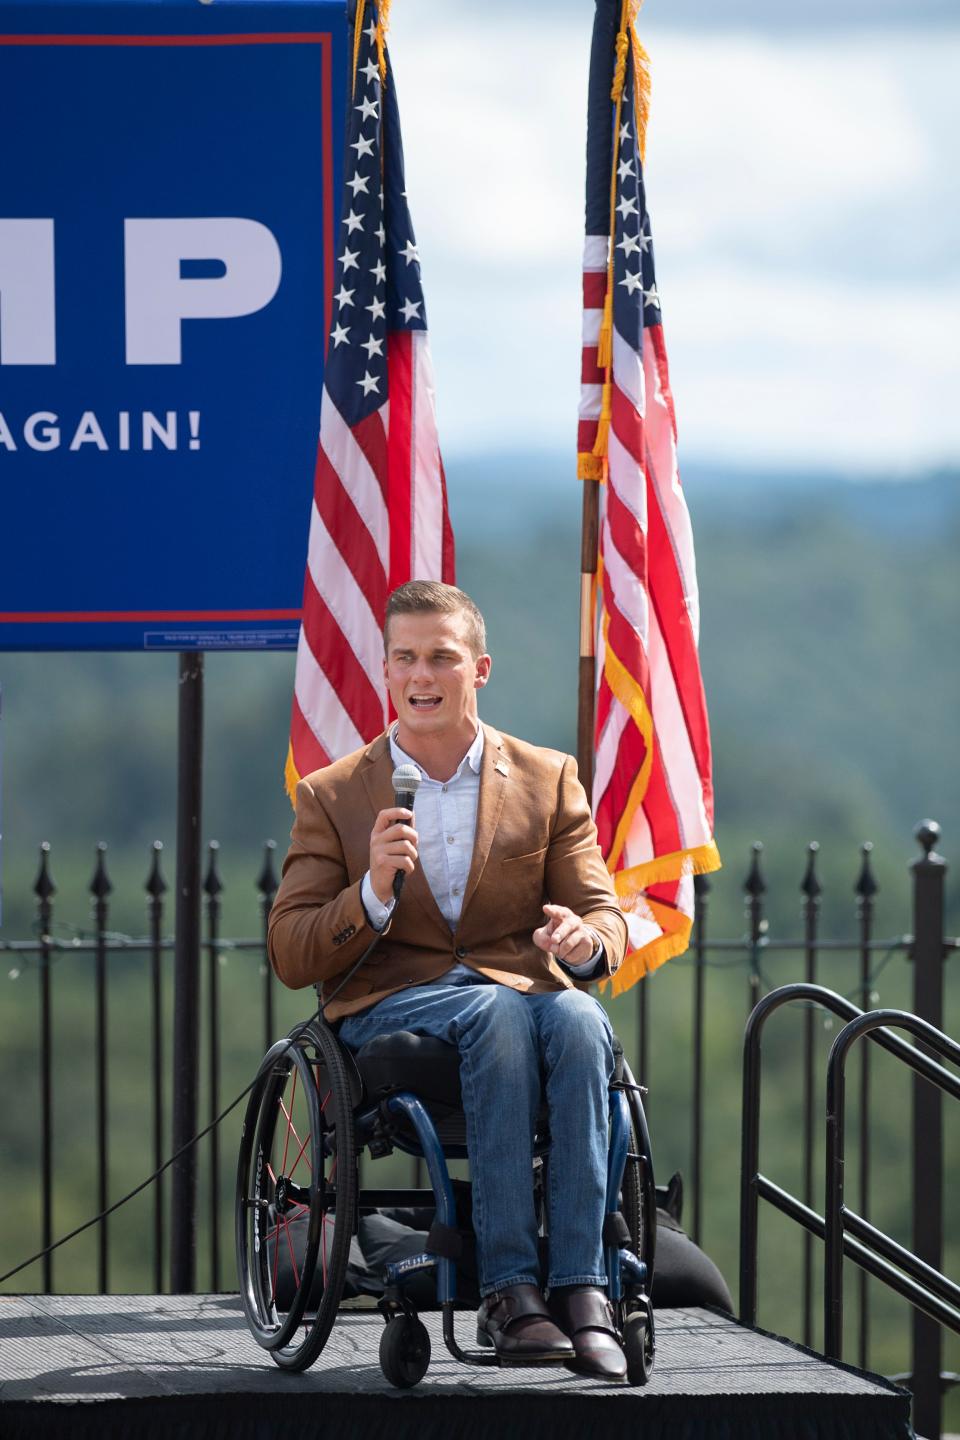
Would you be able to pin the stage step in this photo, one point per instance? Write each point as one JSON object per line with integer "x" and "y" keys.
{"x": 157, "y": 1365}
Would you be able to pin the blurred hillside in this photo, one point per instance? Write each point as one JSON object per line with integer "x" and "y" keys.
{"x": 829, "y": 616}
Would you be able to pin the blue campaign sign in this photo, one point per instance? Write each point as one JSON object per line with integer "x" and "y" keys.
{"x": 168, "y": 221}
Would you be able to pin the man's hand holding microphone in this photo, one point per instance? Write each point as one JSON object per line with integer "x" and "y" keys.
{"x": 393, "y": 851}
{"x": 393, "y": 840}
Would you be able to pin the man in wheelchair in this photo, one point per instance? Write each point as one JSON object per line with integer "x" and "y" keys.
{"x": 507, "y": 912}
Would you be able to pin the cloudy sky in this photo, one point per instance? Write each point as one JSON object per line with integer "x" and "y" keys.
{"x": 802, "y": 181}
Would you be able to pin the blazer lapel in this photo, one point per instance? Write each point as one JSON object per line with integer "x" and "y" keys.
{"x": 377, "y": 774}
{"x": 378, "y": 781}
{"x": 494, "y": 776}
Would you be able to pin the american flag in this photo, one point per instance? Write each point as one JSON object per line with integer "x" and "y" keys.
{"x": 379, "y": 514}
{"x": 652, "y": 787}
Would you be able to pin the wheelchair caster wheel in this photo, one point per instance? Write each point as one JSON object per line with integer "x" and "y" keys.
{"x": 404, "y": 1351}
{"x": 638, "y": 1348}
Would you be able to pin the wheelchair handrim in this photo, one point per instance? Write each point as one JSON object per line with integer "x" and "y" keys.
{"x": 253, "y": 1263}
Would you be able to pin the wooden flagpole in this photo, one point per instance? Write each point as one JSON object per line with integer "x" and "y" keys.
{"x": 589, "y": 543}
{"x": 592, "y": 466}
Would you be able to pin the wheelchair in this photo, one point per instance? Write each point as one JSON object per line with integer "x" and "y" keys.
{"x": 315, "y": 1105}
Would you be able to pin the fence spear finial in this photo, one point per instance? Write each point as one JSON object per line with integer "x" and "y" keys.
{"x": 44, "y": 888}
{"x": 810, "y": 884}
{"x": 101, "y": 885}
{"x": 866, "y": 886}
{"x": 155, "y": 885}
{"x": 267, "y": 879}
{"x": 755, "y": 885}
{"x": 212, "y": 883}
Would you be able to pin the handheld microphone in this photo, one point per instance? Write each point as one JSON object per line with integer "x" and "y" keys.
{"x": 406, "y": 783}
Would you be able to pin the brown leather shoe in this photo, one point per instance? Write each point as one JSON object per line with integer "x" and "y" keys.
{"x": 517, "y": 1323}
{"x": 585, "y": 1314}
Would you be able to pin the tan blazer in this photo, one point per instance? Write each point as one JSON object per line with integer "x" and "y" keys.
{"x": 535, "y": 841}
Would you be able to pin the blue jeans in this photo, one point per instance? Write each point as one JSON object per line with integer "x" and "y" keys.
{"x": 506, "y": 1040}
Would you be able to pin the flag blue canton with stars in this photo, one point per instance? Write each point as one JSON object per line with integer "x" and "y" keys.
{"x": 634, "y": 282}
{"x": 377, "y": 287}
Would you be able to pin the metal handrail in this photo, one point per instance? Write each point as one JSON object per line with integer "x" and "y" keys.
{"x": 928, "y": 1280}
{"x": 920, "y": 1295}
{"x": 753, "y": 1184}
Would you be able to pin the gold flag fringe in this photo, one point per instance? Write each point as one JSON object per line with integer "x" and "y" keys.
{"x": 676, "y": 926}
{"x": 383, "y": 24}
{"x": 699, "y": 860}
{"x": 291, "y": 776}
{"x": 380, "y": 39}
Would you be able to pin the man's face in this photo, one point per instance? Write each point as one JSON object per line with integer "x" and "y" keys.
{"x": 432, "y": 675}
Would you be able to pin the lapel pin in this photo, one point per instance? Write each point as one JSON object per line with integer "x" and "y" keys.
{"x": 502, "y": 767}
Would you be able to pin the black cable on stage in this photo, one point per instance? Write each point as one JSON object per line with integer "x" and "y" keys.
{"x": 95, "y": 1220}
{"x": 406, "y": 779}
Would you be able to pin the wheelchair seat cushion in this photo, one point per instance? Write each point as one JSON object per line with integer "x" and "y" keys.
{"x": 428, "y": 1067}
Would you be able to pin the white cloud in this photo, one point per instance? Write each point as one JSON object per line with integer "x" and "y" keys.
{"x": 806, "y": 222}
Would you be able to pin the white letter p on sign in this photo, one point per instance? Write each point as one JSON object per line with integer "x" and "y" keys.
{"x": 158, "y": 297}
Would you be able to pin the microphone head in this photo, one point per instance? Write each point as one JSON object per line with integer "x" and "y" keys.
{"x": 406, "y": 783}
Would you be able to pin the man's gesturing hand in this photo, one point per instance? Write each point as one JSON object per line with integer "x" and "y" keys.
{"x": 393, "y": 847}
{"x": 565, "y": 936}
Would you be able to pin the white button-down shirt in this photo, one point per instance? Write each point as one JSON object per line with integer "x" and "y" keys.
{"x": 445, "y": 818}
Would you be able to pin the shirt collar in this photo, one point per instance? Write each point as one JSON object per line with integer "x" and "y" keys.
{"x": 472, "y": 758}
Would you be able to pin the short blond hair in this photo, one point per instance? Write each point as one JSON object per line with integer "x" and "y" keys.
{"x": 433, "y": 597}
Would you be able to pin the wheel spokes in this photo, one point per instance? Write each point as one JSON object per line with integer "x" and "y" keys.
{"x": 292, "y": 1128}
{"x": 293, "y": 1258}
{"x": 287, "y": 1113}
{"x": 276, "y": 1266}
{"x": 300, "y": 1155}
{"x": 290, "y": 1159}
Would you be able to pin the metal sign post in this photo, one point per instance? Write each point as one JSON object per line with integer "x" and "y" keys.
{"x": 186, "y": 995}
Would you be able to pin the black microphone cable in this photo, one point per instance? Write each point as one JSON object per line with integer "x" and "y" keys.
{"x": 406, "y": 779}
{"x": 171, "y": 1160}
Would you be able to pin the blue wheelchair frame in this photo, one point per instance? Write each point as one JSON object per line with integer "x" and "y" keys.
{"x": 625, "y": 1271}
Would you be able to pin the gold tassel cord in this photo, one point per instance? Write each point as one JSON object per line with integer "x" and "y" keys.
{"x": 626, "y": 38}
{"x": 623, "y": 45}
{"x": 383, "y": 24}
{"x": 357, "y": 36}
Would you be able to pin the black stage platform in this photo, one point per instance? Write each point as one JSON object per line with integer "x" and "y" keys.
{"x": 157, "y": 1366}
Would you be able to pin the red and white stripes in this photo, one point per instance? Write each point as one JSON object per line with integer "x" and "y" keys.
{"x": 652, "y": 788}
{"x": 379, "y": 517}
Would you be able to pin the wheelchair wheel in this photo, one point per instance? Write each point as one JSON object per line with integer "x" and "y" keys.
{"x": 638, "y": 1347}
{"x": 296, "y": 1196}
{"x": 638, "y": 1196}
{"x": 404, "y": 1351}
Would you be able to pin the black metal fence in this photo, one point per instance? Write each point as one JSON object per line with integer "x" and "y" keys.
{"x": 923, "y": 943}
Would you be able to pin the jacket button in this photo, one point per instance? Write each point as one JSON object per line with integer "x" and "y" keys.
{"x": 460, "y": 952}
